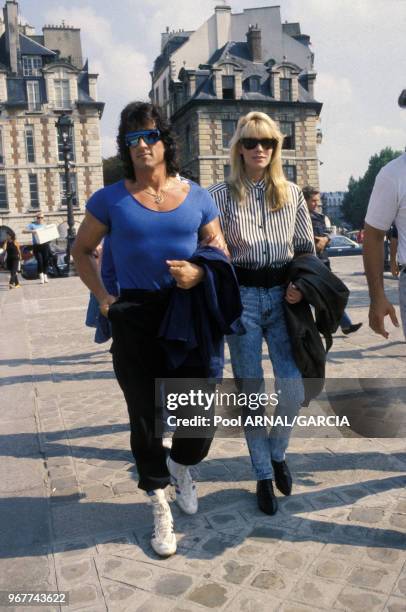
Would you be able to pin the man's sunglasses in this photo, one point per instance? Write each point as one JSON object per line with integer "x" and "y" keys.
{"x": 132, "y": 139}
{"x": 251, "y": 143}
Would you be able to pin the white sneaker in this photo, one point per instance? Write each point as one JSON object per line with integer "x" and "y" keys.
{"x": 186, "y": 494}
{"x": 46, "y": 278}
{"x": 41, "y": 278}
{"x": 163, "y": 539}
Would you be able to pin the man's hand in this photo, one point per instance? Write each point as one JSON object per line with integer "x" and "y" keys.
{"x": 293, "y": 295}
{"x": 105, "y": 304}
{"x": 321, "y": 243}
{"x": 186, "y": 274}
{"x": 377, "y": 313}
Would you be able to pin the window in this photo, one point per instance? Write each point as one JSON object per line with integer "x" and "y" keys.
{"x": 62, "y": 188}
{"x": 157, "y": 96}
{"x": 71, "y": 142}
{"x": 254, "y": 83}
{"x": 227, "y": 83}
{"x": 1, "y": 148}
{"x": 286, "y": 90}
{"x": 29, "y": 144}
{"x": 33, "y": 96}
{"x": 3, "y": 193}
{"x": 290, "y": 172}
{"x": 288, "y": 130}
{"x": 228, "y": 127}
{"x": 164, "y": 90}
{"x": 227, "y": 171}
{"x": 62, "y": 94}
{"x": 34, "y": 196}
{"x": 32, "y": 65}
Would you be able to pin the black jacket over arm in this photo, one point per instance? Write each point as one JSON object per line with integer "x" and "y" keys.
{"x": 328, "y": 295}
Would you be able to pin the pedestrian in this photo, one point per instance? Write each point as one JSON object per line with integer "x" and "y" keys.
{"x": 13, "y": 260}
{"x": 266, "y": 223}
{"x": 322, "y": 239}
{"x": 41, "y": 251}
{"x": 387, "y": 205}
{"x": 154, "y": 222}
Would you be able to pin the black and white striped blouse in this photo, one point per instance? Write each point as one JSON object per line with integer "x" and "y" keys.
{"x": 257, "y": 237}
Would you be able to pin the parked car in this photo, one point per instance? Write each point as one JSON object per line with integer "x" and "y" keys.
{"x": 341, "y": 245}
{"x": 57, "y": 266}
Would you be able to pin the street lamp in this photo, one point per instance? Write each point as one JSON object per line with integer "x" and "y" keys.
{"x": 64, "y": 126}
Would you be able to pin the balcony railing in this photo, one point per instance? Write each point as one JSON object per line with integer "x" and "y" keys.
{"x": 60, "y": 104}
{"x": 34, "y": 106}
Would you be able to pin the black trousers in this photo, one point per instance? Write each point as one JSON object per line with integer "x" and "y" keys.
{"x": 138, "y": 360}
{"x": 41, "y": 254}
{"x": 12, "y": 266}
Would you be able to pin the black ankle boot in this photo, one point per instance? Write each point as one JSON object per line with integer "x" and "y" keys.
{"x": 283, "y": 478}
{"x": 267, "y": 501}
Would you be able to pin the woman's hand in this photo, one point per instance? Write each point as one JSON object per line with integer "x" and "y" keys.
{"x": 217, "y": 241}
{"x": 293, "y": 295}
{"x": 186, "y": 274}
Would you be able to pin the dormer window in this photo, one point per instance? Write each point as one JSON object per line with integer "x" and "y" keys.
{"x": 227, "y": 84}
{"x": 254, "y": 83}
{"x": 62, "y": 93}
{"x": 286, "y": 90}
{"x": 32, "y": 65}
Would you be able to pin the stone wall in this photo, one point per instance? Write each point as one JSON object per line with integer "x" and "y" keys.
{"x": 87, "y": 165}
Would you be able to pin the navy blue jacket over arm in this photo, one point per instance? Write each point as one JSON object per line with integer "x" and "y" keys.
{"x": 197, "y": 319}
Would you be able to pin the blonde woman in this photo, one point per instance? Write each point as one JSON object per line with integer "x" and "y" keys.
{"x": 266, "y": 223}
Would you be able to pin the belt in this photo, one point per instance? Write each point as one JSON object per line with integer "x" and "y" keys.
{"x": 144, "y": 295}
{"x": 263, "y": 277}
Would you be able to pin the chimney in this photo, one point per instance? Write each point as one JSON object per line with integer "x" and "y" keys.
{"x": 254, "y": 43}
{"x": 12, "y": 37}
{"x": 222, "y": 16}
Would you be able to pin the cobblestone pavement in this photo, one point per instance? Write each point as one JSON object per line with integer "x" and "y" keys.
{"x": 73, "y": 519}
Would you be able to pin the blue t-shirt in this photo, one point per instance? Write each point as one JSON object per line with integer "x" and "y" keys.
{"x": 143, "y": 239}
{"x": 35, "y": 226}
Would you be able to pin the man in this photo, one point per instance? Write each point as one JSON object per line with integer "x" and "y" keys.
{"x": 41, "y": 251}
{"x": 154, "y": 221}
{"x": 322, "y": 239}
{"x": 387, "y": 205}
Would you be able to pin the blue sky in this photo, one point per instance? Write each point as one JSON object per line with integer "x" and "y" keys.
{"x": 360, "y": 57}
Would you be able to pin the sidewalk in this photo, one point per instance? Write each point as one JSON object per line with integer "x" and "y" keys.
{"x": 73, "y": 519}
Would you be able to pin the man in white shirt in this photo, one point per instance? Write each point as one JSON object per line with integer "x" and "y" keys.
{"x": 387, "y": 205}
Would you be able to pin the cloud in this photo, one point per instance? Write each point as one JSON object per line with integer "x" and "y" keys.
{"x": 123, "y": 71}
{"x": 382, "y": 131}
{"x": 336, "y": 89}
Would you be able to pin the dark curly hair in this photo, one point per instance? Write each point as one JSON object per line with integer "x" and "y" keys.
{"x": 135, "y": 116}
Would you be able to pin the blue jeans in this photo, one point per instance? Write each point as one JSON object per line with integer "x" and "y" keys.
{"x": 263, "y": 317}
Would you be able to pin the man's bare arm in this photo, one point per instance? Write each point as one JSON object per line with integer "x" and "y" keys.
{"x": 373, "y": 264}
{"x": 393, "y": 251}
{"x": 89, "y": 236}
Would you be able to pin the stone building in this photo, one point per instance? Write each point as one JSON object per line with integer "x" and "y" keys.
{"x": 205, "y": 80}
{"x": 332, "y": 203}
{"x": 41, "y": 78}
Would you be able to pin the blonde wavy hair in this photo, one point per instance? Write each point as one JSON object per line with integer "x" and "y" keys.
{"x": 258, "y": 125}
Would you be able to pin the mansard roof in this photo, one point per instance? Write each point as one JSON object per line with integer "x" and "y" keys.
{"x": 30, "y": 46}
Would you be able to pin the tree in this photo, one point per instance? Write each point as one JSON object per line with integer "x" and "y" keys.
{"x": 112, "y": 170}
{"x": 355, "y": 202}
